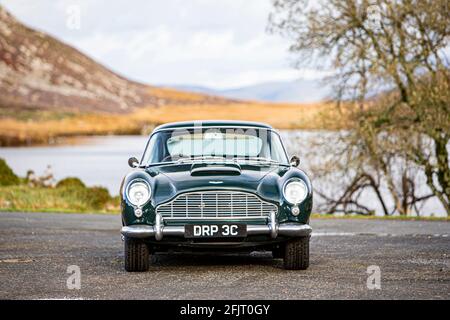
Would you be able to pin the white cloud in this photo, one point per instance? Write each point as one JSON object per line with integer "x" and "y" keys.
{"x": 219, "y": 44}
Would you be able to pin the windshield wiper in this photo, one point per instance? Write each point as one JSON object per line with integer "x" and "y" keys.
{"x": 187, "y": 159}
{"x": 257, "y": 159}
{"x": 234, "y": 159}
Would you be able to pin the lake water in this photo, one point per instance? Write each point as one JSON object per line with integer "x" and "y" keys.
{"x": 103, "y": 160}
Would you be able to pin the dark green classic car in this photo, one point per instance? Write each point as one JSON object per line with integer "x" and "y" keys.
{"x": 216, "y": 186}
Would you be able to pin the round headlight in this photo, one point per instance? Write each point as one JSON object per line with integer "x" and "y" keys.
{"x": 295, "y": 191}
{"x": 138, "y": 192}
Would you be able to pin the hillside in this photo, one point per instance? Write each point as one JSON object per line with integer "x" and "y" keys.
{"x": 50, "y": 90}
{"x": 39, "y": 72}
{"x": 297, "y": 91}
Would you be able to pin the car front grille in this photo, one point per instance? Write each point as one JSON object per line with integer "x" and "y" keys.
{"x": 216, "y": 205}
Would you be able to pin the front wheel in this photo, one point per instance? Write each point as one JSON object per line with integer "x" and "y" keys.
{"x": 136, "y": 255}
{"x": 296, "y": 254}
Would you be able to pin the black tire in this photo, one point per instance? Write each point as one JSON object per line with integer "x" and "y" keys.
{"x": 137, "y": 255}
{"x": 296, "y": 255}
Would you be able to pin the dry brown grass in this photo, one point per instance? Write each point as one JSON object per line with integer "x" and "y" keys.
{"x": 281, "y": 116}
{"x": 17, "y": 132}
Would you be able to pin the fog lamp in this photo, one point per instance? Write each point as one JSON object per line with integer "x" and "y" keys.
{"x": 138, "y": 212}
{"x": 295, "y": 211}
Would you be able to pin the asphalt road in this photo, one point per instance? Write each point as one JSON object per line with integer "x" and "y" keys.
{"x": 36, "y": 250}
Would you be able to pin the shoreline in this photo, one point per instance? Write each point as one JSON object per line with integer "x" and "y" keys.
{"x": 77, "y": 140}
{"x": 33, "y": 130}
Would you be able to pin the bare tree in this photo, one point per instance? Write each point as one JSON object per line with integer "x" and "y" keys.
{"x": 391, "y": 71}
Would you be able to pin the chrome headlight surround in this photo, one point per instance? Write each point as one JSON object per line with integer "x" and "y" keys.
{"x": 139, "y": 185}
{"x": 299, "y": 183}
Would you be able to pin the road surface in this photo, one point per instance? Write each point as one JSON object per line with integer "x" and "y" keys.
{"x": 36, "y": 250}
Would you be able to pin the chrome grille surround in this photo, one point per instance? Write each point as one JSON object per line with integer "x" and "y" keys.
{"x": 223, "y": 204}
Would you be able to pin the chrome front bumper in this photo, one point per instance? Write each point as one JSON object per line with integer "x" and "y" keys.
{"x": 158, "y": 230}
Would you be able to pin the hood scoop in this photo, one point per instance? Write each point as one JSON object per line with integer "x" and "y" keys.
{"x": 209, "y": 169}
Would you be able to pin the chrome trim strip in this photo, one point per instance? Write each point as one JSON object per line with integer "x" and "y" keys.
{"x": 197, "y": 127}
{"x": 294, "y": 230}
{"x": 158, "y": 227}
{"x": 173, "y": 231}
{"x": 138, "y": 231}
{"x": 224, "y": 219}
{"x": 273, "y": 225}
{"x": 285, "y": 229}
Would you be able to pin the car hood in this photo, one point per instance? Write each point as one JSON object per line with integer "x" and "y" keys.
{"x": 173, "y": 179}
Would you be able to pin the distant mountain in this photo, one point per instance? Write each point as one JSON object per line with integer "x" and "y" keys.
{"x": 298, "y": 91}
{"x": 40, "y": 72}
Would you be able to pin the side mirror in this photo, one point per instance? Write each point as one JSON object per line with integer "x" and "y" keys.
{"x": 295, "y": 161}
{"x": 133, "y": 162}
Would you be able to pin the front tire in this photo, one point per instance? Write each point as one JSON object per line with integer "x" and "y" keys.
{"x": 137, "y": 255}
{"x": 296, "y": 254}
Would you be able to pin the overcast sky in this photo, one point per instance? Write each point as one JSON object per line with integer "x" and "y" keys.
{"x": 215, "y": 43}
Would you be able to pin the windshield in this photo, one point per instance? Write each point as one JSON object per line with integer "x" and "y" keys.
{"x": 235, "y": 144}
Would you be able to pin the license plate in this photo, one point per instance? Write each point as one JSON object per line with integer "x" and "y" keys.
{"x": 215, "y": 230}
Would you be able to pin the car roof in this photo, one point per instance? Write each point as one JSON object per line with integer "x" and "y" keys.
{"x": 212, "y": 123}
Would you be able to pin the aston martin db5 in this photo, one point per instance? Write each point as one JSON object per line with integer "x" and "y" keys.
{"x": 215, "y": 186}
